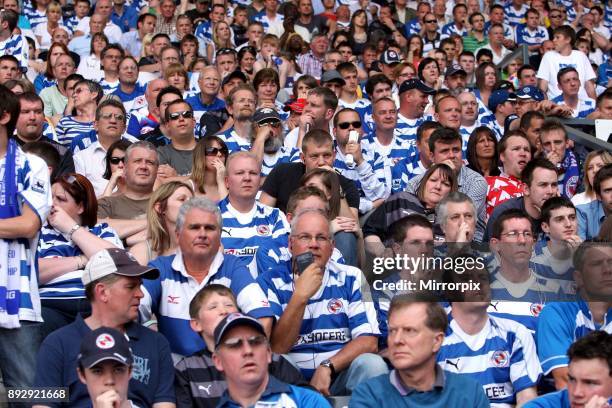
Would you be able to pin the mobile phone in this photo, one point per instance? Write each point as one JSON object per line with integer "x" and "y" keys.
{"x": 302, "y": 261}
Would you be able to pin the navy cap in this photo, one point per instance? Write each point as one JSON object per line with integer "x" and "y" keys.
{"x": 454, "y": 70}
{"x": 233, "y": 320}
{"x": 530, "y": 92}
{"x": 266, "y": 114}
{"x": 104, "y": 344}
{"x": 416, "y": 83}
{"x": 390, "y": 57}
{"x": 331, "y": 76}
{"x": 498, "y": 97}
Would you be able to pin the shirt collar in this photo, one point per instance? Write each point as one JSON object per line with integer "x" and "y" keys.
{"x": 274, "y": 386}
{"x": 405, "y": 390}
{"x": 179, "y": 266}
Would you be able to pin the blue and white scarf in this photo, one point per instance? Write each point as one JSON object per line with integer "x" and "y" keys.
{"x": 11, "y": 251}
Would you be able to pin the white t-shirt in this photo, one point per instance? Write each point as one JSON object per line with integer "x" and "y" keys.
{"x": 112, "y": 31}
{"x": 553, "y": 62}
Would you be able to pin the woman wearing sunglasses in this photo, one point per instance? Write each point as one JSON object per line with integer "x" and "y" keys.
{"x": 70, "y": 237}
{"x": 162, "y": 212}
{"x": 115, "y": 163}
{"x": 208, "y": 176}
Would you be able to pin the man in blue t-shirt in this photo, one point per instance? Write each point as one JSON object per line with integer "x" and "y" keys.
{"x": 416, "y": 333}
{"x": 112, "y": 280}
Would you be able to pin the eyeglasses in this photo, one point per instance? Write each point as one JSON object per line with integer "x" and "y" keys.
{"x": 184, "y": 114}
{"x": 555, "y": 16}
{"x": 306, "y": 238}
{"x": 274, "y": 123}
{"x": 214, "y": 151}
{"x": 431, "y": 21}
{"x": 118, "y": 116}
{"x": 513, "y": 235}
{"x": 236, "y": 343}
{"x": 345, "y": 125}
{"x": 116, "y": 160}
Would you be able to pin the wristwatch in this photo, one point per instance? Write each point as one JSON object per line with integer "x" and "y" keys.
{"x": 327, "y": 363}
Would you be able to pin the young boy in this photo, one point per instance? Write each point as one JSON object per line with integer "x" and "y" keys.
{"x": 105, "y": 367}
{"x": 197, "y": 382}
{"x": 81, "y": 9}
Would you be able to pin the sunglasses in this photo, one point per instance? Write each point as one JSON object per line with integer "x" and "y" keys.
{"x": 117, "y": 116}
{"x": 184, "y": 114}
{"x": 431, "y": 21}
{"x": 237, "y": 342}
{"x": 117, "y": 160}
{"x": 346, "y": 125}
{"x": 224, "y": 51}
{"x": 214, "y": 151}
{"x": 274, "y": 123}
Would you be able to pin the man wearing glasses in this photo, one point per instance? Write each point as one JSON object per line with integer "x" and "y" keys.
{"x": 323, "y": 323}
{"x": 179, "y": 125}
{"x": 517, "y": 292}
{"x": 242, "y": 353}
{"x": 109, "y": 124}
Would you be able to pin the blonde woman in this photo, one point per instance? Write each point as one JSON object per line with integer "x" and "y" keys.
{"x": 593, "y": 162}
{"x": 43, "y": 31}
{"x": 208, "y": 176}
{"x": 221, "y": 38}
{"x": 163, "y": 209}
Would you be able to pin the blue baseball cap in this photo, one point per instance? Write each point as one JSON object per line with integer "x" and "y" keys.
{"x": 530, "y": 92}
{"x": 498, "y": 97}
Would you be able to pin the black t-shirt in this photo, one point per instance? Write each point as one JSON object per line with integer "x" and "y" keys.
{"x": 284, "y": 179}
{"x": 317, "y": 24}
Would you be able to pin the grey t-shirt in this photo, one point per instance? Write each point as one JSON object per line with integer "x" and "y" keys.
{"x": 179, "y": 160}
{"x": 122, "y": 208}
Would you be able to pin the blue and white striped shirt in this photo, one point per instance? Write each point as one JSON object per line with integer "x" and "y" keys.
{"x": 407, "y": 128}
{"x": 501, "y": 357}
{"x": 370, "y": 178}
{"x": 54, "y": 244}
{"x": 284, "y": 155}
{"x": 69, "y": 129}
{"x": 524, "y": 35}
{"x": 242, "y": 234}
{"x": 233, "y": 141}
{"x": 549, "y": 267}
{"x": 585, "y": 106}
{"x": 108, "y": 87}
{"x": 134, "y": 100}
{"x": 17, "y": 46}
{"x": 34, "y": 16}
{"x": 514, "y": 17}
{"x": 334, "y": 315}
{"x": 168, "y": 296}
{"x": 451, "y": 28}
{"x": 199, "y": 108}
